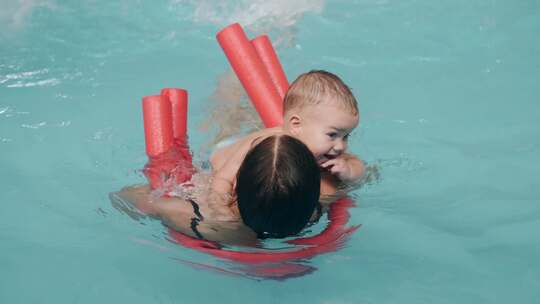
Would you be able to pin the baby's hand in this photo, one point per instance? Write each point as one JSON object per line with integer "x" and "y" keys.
{"x": 345, "y": 167}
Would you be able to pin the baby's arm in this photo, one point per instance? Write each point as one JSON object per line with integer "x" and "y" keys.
{"x": 347, "y": 167}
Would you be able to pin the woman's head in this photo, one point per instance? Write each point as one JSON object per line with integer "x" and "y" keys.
{"x": 278, "y": 186}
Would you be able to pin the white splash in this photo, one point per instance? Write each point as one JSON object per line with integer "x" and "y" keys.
{"x": 258, "y": 16}
{"x": 14, "y": 14}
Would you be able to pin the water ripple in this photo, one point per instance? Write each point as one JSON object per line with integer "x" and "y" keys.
{"x": 8, "y": 111}
{"x": 28, "y": 79}
{"x": 46, "y": 82}
{"x": 34, "y": 126}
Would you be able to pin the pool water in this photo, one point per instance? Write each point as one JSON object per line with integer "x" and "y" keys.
{"x": 448, "y": 94}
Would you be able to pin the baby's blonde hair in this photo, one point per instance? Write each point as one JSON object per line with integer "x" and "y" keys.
{"x": 318, "y": 86}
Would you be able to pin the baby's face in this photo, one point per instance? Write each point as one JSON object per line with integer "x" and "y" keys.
{"x": 325, "y": 130}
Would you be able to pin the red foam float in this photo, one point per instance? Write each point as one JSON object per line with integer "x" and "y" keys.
{"x": 267, "y": 54}
{"x": 252, "y": 74}
{"x": 270, "y": 264}
{"x": 179, "y": 102}
{"x": 158, "y": 132}
{"x": 165, "y": 128}
{"x": 330, "y": 239}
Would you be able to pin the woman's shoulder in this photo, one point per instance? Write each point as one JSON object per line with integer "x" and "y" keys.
{"x": 239, "y": 146}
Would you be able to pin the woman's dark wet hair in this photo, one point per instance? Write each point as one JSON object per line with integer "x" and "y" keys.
{"x": 278, "y": 187}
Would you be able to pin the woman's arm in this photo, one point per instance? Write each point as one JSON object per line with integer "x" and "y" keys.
{"x": 140, "y": 197}
{"x": 181, "y": 215}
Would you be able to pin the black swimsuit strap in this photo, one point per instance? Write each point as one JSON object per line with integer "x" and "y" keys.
{"x": 196, "y": 209}
{"x": 196, "y": 220}
{"x": 194, "y": 224}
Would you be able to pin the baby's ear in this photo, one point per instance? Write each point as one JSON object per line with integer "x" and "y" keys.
{"x": 294, "y": 124}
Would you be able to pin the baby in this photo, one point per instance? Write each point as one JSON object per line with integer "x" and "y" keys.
{"x": 319, "y": 110}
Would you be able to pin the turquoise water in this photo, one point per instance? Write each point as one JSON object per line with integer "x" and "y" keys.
{"x": 448, "y": 94}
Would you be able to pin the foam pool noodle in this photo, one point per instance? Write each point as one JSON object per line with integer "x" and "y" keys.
{"x": 252, "y": 74}
{"x": 270, "y": 60}
{"x": 178, "y": 99}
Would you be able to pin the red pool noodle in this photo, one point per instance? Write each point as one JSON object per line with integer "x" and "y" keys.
{"x": 179, "y": 101}
{"x": 338, "y": 217}
{"x": 166, "y": 135}
{"x": 331, "y": 239}
{"x": 158, "y": 132}
{"x": 252, "y": 74}
{"x": 270, "y": 60}
{"x": 183, "y": 168}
